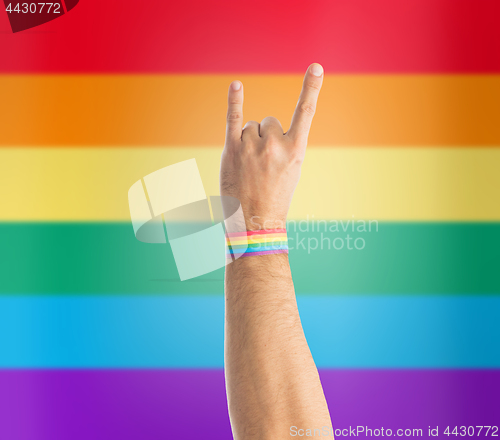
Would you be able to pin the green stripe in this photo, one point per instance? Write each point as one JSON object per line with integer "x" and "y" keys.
{"x": 274, "y": 244}
{"x": 106, "y": 258}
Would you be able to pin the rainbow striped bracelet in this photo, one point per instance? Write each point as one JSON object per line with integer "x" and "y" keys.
{"x": 254, "y": 243}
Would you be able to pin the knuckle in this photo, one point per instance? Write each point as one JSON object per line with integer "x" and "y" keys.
{"x": 234, "y": 115}
{"x": 270, "y": 120}
{"x": 298, "y": 157}
{"x": 271, "y": 148}
{"x": 247, "y": 151}
{"x": 313, "y": 85}
{"x": 296, "y": 152}
{"x": 307, "y": 108}
{"x": 250, "y": 127}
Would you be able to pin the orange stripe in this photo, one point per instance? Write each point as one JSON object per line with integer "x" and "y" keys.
{"x": 149, "y": 110}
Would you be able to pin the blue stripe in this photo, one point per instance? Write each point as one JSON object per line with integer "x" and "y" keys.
{"x": 362, "y": 331}
{"x": 245, "y": 250}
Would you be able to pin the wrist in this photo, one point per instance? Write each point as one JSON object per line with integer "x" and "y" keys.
{"x": 265, "y": 223}
{"x": 256, "y": 243}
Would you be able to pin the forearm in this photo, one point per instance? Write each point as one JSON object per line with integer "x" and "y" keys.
{"x": 272, "y": 381}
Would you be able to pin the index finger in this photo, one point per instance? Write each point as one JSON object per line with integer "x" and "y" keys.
{"x": 306, "y": 106}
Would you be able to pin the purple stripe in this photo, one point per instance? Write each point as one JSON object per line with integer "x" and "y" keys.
{"x": 191, "y": 404}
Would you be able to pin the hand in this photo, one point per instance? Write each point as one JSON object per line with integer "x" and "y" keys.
{"x": 260, "y": 164}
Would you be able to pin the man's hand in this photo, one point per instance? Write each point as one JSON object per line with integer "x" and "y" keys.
{"x": 272, "y": 382}
{"x": 261, "y": 164}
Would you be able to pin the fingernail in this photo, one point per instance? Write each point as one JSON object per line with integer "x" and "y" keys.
{"x": 317, "y": 70}
{"x": 235, "y": 85}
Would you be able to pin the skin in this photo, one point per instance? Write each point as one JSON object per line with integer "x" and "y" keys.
{"x": 271, "y": 380}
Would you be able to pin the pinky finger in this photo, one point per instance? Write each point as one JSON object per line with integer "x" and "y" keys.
{"x": 234, "y": 124}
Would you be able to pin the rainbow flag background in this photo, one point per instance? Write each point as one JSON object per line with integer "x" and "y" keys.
{"x": 98, "y": 337}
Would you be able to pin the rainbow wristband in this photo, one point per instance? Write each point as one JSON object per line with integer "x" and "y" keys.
{"x": 254, "y": 243}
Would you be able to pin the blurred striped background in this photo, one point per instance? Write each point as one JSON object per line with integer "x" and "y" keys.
{"x": 98, "y": 337}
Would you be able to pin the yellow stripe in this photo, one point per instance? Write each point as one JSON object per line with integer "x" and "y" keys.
{"x": 174, "y": 110}
{"x": 91, "y": 184}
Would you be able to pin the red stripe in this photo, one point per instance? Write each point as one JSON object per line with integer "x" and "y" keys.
{"x": 259, "y": 232}
{"x": 198, "y": 36}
